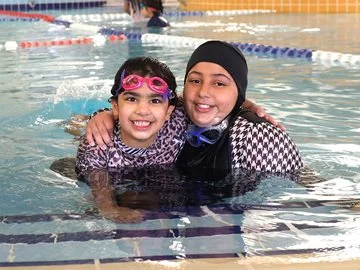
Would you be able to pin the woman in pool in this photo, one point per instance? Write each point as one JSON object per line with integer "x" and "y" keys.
{"x": 220, "y": 134}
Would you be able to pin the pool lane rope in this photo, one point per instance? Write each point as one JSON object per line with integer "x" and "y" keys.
{"x": 322, "y": 57}
{"x": 96, "y": 40}
{"x": 28, "y": 16}
{"x": 318, "y": 56}
{"x": 117, "y": 16}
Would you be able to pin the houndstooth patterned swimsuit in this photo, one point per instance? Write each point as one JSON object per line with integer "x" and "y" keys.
{"x": 262, "y": 147}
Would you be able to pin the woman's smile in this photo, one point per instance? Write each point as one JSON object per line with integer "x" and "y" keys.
{"x": 201, "y": 107}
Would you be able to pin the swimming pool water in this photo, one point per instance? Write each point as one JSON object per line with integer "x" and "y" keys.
{"x": 319, "y": 104}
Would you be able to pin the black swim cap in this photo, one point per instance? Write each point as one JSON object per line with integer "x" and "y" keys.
{"x": 227, "y": 56}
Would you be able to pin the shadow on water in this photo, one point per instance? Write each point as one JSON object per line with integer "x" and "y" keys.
{"x": 168, "y": 188}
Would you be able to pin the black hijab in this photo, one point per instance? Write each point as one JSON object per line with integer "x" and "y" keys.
{"x": 218, "y": 155}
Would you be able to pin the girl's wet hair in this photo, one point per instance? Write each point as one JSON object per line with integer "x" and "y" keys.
{"x": 146, "y": 66}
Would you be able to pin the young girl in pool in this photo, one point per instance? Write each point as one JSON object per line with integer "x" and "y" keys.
{"x": 147, "y": 133}
{"x": 149, "y": 126}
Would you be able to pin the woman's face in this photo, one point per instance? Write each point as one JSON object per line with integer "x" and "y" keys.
{"x": 210, "y": 94}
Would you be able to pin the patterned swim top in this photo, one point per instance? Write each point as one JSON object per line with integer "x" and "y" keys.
{"x": 164, "y": 150}
{"x": 263, "y": 147}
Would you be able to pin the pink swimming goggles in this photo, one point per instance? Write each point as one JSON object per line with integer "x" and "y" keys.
{"x": 156, "y": 84}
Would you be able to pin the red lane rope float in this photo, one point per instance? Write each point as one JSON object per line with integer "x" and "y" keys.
{"x": 46, "y": 18}
{"x": 113, "y": 38}
{"x": 59, "y": 42}
{"x": 66, "y": 42}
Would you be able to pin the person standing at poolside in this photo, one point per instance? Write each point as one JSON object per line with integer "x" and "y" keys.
{"x": 221, "y": 134}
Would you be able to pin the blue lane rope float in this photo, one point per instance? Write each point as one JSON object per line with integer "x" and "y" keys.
{"x": 274, "y": 51}
{"x": 249, "y": 48}
{"x": 113, "y": 16}
{"x": 322, "y": 57}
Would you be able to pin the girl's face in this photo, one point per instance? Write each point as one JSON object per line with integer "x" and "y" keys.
{"x": 210, "y": 94}
{"x": 142, "y": 113}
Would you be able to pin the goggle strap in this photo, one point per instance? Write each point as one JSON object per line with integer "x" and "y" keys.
{"x": 122, "y": 76}
{"x": 171, "y": 94}
{"x": 120, "y": 85}
{"x": 168, "y": 94}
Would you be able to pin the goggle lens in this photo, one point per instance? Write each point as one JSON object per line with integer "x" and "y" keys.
{"x": 196, "y": 136}
{"x": 193, "y": 140}
{"x": 131, "y": 82}
{"x": 158, "y": 83}
{"x": 203, "y": 135}
{"x": 211, "y": 135}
